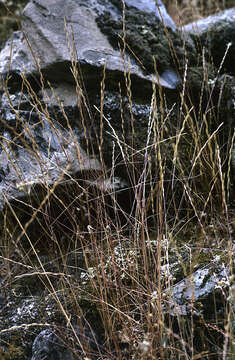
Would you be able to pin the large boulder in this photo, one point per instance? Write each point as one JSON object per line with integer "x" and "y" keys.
{"x": 35, "y": 150}
{"x": 214, "y": 39}
{"x": 65, "y": 40}
{"x": 70, "y": 44}
{"x": 31, "y": 325}
{"x": 67, "y": 128}
{"x": 56, "y": 33}
{"x": 216, "y": 35}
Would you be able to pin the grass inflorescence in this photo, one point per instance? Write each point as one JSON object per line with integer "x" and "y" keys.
{"x": 108, "y": 264}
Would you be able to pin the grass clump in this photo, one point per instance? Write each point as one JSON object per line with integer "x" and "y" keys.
{"x": 110, "y": 265}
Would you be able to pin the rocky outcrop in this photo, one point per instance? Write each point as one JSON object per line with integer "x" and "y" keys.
{"x": 49, "y": 126}
{"x": 214, "y": 38}
{"x": 77, "y": 112}
{"x": 196, "y": 292}
{"x": 216, "y": 35}
{"x": 52, "y": 345}
{"x": 55, "y": 37}
{"x": 56, "y": 33}
{"x": 48, "y": 345}
{"x": 59, "y": 153}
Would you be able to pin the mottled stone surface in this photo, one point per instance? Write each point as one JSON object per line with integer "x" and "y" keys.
{"x": 52, "y": 32}
{"x": 35, "y": 148}
{"x": 216, "y": 34}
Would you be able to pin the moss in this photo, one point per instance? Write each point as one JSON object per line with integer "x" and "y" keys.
{"x": 146, "y": 37}
{"x": 216, "y": 41}
{"x": 13, "y": 352}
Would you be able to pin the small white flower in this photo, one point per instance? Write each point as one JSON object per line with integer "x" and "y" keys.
{"x": 145, "y": 346}
{"x": 90, "y": 229}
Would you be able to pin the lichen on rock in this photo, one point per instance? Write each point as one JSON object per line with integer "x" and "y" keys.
{"x": 145, "y": 37}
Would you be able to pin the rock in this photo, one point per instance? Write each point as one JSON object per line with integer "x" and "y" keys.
{"x": 150, "y": 6}
{"x": 202, "y": 296}
{"x": 44, "y": 150}
{"x": 145, "y": 38}
{"x": 51, "y": 33}
{"x": 213, "y": 37}
{"x": 36, "y": 149}
{"x": 52, "y": 134}
{"x": 197, "y": 292}
{"x": 48, "y": 345}
{"x": 31, "y": 323}
{"x": 216, "y": 35}
{"x": 51, "y": 344}
{"x": 45, "y": 158}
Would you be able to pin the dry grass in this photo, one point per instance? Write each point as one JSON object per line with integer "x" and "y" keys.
{"x": 186, "y": 11}
{"x": 126, "y": 274}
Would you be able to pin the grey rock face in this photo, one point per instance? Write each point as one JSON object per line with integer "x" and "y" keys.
{"x": 56, "y": 32}
{"x": 49, "y": 346}
{"x": 38, "y": 149}
{"x": 157, "y": 9}
{"x": 202, "y": 25}
{"x": 199, "y": 289}
{"x": 52, "y": 345}
{"x": 216, "y": 34}
{"x": 35, "y": 150}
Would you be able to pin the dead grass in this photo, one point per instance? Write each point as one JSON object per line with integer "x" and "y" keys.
{"x": 186, "y": 11}
{"x": 126, "y": 273}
